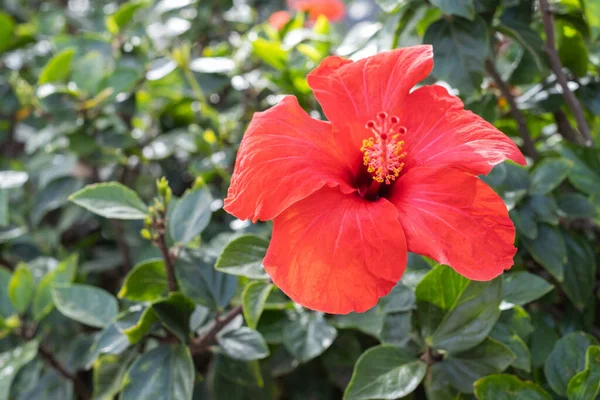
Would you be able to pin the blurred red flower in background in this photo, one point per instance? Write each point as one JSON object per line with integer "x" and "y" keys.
{"x": 392, "y": 171}
{"x": 333, "y": 10}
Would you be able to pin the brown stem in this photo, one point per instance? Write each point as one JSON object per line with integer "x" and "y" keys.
{"x": 122, "y": 243}
{"x": 528, "y": 145}
{"x": 161, "y": 243}
{"x": 557, "y": 68}
{"x": 202, "y": 343}
{"x": 78, "y": 385}
{"x": 564, "y": 127}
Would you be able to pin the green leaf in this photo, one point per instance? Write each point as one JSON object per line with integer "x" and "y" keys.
{"x": 240, "y": 372}
{"x": 10, "y": 364}
{"x": 523, "y": 287}
{"x": 12, "y": 179}
{"x": 442, "y": 287}
{"x": 136, "y": 324}
{"x": 460, "y": 49}
{"x": 4, "y": 203}
{"x": 243, "y": 344}
{"x": 109, "y": 371}
{"x": 567, "y": 359}
{"x": 147, "y": 281}
{"x": 397, "y": 328}
{"x": 244, "y": 256}
{"x": 201, "y": 282}
{"x": 548, "y": 174}
{"x": 575, "y": 206}
{"x": 89, "y": 71}
{"x": 53, "y": 196}
{"x": 6, "y": 307}
{"x": 21, "y": 288}
{"x": 462, "y": 8}
{"x": 58, "y": 68}
{"x": 191, "y": 215}
{"x": 123, "y": 15}
{"x": 254, "y": 297}
{"x": 549, "y": 250}
{"x": 581, "y": 175}
{"x": 471, "y": 320}
{"x": 111, "y": 200}
{"x": 369, "y": 322}
{"x": 308, "y": 336}
{"x": 514, "y": 343}
{"x": 586, "y": 384}
{"x": 88, "y": 305}
{"x": 573, "y": 51}
{"x": 527, "y": 37}
{"x": 508, "y": 387}
{"x": 64, "y": 273}
{"x": 544, "y": 208}
{"x": 465, "y": 368}
{"x": 174, "y": 313}
{"x": 580, "y": 271}
{"x": 109, "y": 341}
{"x": 385, "y": 372}
{"x": 400, "y": 299}
{"x": 166, "y": 372}
{"x": 7, "y": 27}
{"x": 271, "y": 53}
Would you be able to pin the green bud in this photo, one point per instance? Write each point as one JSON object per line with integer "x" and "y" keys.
{"x": 146, "y": 234}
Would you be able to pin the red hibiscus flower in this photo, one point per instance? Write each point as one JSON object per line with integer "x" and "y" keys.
{"x": 333, "y": 10}
{"x": 392, "y": 171}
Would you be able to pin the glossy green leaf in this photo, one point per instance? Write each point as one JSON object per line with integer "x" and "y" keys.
{"x": 63, "y": 274}
{"x": 21, "y": 288}
{"x": 88, "y": 305}
{"x": 508, "y": 387}
{"x": 6, "y": 307}
{"x": 442, "y": 287}
{"x": 109, "y": 371}
{"x": 575, "y": 206}
{"x": 462, "y": 8}
{"x": 243, "y": 344}
{"x": 400, "y": 299}
{"x": 465, "y": 368}
{"x": 147, "y": 281}
{"x": 271, "y": 53}
{"x": 549, "y": 174}
{"x": 549, "y": 250}
{"x": 567, "y": 359}
{"x": 166, "y": 372}
{"x": 254, "y": 297}
{"x": 245, "y": 373}
{"x": 385, "y": 372}
{"x": 111, "y": 200}
{"x": 190, "y": 216}
{"x": 58, "y": 68}
{"x": 88, "y": 72}
{"x": 580, "y": 270}
{"x": 586, "y": 384}
{"x": 11, "y": 362}
{"x": 136, "y": 324}
{"x": 244, "y": 256}
{"x": 308, "y": 336}
{"x": 471, "y": 320}
{"x": 123, "y": 15}
{"x": 523, "y": 287}
{"x": 460, "y": 49}
{"x": 174, "y": 313}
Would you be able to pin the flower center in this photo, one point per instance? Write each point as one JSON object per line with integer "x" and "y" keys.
{"x": 383, "y": 153}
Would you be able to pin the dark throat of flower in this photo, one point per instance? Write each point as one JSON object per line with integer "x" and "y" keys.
{"x": 382, "y": 154}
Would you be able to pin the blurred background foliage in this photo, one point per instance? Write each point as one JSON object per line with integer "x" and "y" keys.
{"x": 144, "y": 288}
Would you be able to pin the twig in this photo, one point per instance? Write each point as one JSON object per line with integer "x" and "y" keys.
{"x": 529, "y": 147}
{"x": 202, "y": 343}
{"x": 79, "y": 387}
{"x": 564, "y": 127}
{"x": 123, "y": 248}
{"x": 557, "y": 68}
{"x": 161, "y": 243}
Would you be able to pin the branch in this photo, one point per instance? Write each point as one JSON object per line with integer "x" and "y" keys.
{"x": 202, "y": 343}
{"x": 79, "y": 387}
{"x": 565, "y": 129}
{"x": 557, "y": 68}
{"x": 528, "y": 145}
{"x": 161, "y": 243}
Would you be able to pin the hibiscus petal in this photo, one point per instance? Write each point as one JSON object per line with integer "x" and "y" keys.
{"x": 456, "y": 219}
{"x": 333, "y": 10}
{"x": 284, "y": 156}
{"x": 337, "y": 252}
{"x": 441, "y": 133}
{"x": 351, "y": 93}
